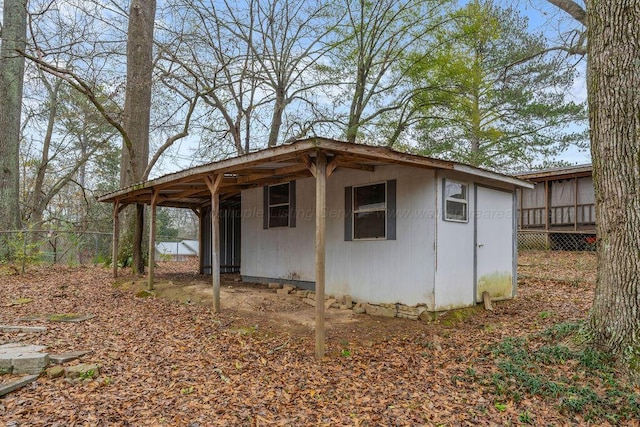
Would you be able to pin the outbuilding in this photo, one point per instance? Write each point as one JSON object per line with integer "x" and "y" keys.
{"x": 559, "y": 212}
{"x": 381, "y": 226}
{"x": 181, "y": 250}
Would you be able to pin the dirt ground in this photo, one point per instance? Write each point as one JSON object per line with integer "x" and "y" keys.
{"x": 177, "y": 282}
{"x": 167, "y": 360}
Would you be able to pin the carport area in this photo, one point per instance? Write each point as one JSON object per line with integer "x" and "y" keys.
{"x": 293, "y": 310}
{"x": 203, "y": 188}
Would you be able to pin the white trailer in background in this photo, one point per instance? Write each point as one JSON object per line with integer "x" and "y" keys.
{"x": 559, "y": 211}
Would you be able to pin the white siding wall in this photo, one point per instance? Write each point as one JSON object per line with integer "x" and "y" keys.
{"x": 454, "y": 285}
{"x": 400, "y": 270}
{"x": 282, "y": 252}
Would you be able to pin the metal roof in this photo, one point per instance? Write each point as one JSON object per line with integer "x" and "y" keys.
{"x": 184, "y": 247}
{"x": 189, "y": 188}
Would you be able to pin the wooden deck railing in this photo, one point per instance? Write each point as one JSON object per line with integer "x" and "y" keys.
{"x": 569, "y": 215}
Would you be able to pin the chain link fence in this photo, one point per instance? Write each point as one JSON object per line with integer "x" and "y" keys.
{"x": 55, "y": 247}
{"x": 557, "y": 241}
{"x": 567, "y": 256}
{"x": 25, "y": 247}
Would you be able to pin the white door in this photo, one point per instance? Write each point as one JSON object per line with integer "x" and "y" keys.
{"x": 495, "y": 257}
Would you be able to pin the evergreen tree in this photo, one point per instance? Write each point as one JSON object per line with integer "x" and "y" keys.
{"x": 498, "y": 102}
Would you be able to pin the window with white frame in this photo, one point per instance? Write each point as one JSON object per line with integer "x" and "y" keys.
{"x": 278, "y": 205}
{"x": 456, "y": 201}
{"x": 370, "y": 211}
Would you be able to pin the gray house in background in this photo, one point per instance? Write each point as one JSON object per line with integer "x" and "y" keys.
{"x": 560, "y": 209}
{"x": 177, "y": 251}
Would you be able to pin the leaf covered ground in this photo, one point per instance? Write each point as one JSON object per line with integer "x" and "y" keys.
{"x": 165, "y": 362}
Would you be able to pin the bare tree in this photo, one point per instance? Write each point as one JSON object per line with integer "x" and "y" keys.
{"x": 73, "y": 134}
{"x": 206, "y": 57}
{"x": 251, "y": 62}
{"x": 292, "y": 37}
{"x": 372, "y": 58}
{"x": 86, "y": 52}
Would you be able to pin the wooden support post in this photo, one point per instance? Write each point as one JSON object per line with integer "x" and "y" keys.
{"x": 321, "y": 180}
{"x": 486, "y": 298}
{"x": 547, "y": 212}
{"x": 152, "y": 240}
{"x": 116, "y": 237}
{"x": 199, "y": 213}
{"x": 214, "y": 187}
{"x": 521, "y": 194}
{"x": 575, "y": 205}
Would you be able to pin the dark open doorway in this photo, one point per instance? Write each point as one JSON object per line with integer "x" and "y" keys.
{"x": 230, "y": 228}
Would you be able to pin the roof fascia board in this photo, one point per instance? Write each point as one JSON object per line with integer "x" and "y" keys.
{"x": 550, "y": 176}
{"x": 568, "y": 170}
{"x": 280, "y": 153}
{"x": 295, "y": 151}
{"x": 381, "y": 154}
{"x": 492, "y": 175}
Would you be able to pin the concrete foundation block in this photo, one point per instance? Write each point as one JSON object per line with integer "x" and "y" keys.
{"x": 380, "y": 311}
{"x": 328, "y": 303}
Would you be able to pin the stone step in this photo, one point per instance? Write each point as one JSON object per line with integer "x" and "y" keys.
{"x": 59, "y": 359}
{"x": 10, "y": 386}
{"x": 29, "y": 363}
{"x": 23, "y": 358}
{"x": 12, "y": 346}
{"x": 30, "y": 329}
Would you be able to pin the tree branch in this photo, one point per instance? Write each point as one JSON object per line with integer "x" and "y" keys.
{"x": 573, "y": 9}
{"x": 171, "y": 140}
{"x": 83, "y": 87}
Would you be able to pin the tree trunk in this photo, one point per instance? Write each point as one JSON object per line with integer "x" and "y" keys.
{"x": 11, "y": 80}
{"x": 355, "y": 111}
{"x": 613, "y": 73}
{"x": 137, "y": 106}
{"x": 38, "y": 203}
{"x": 276, "y": 118}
